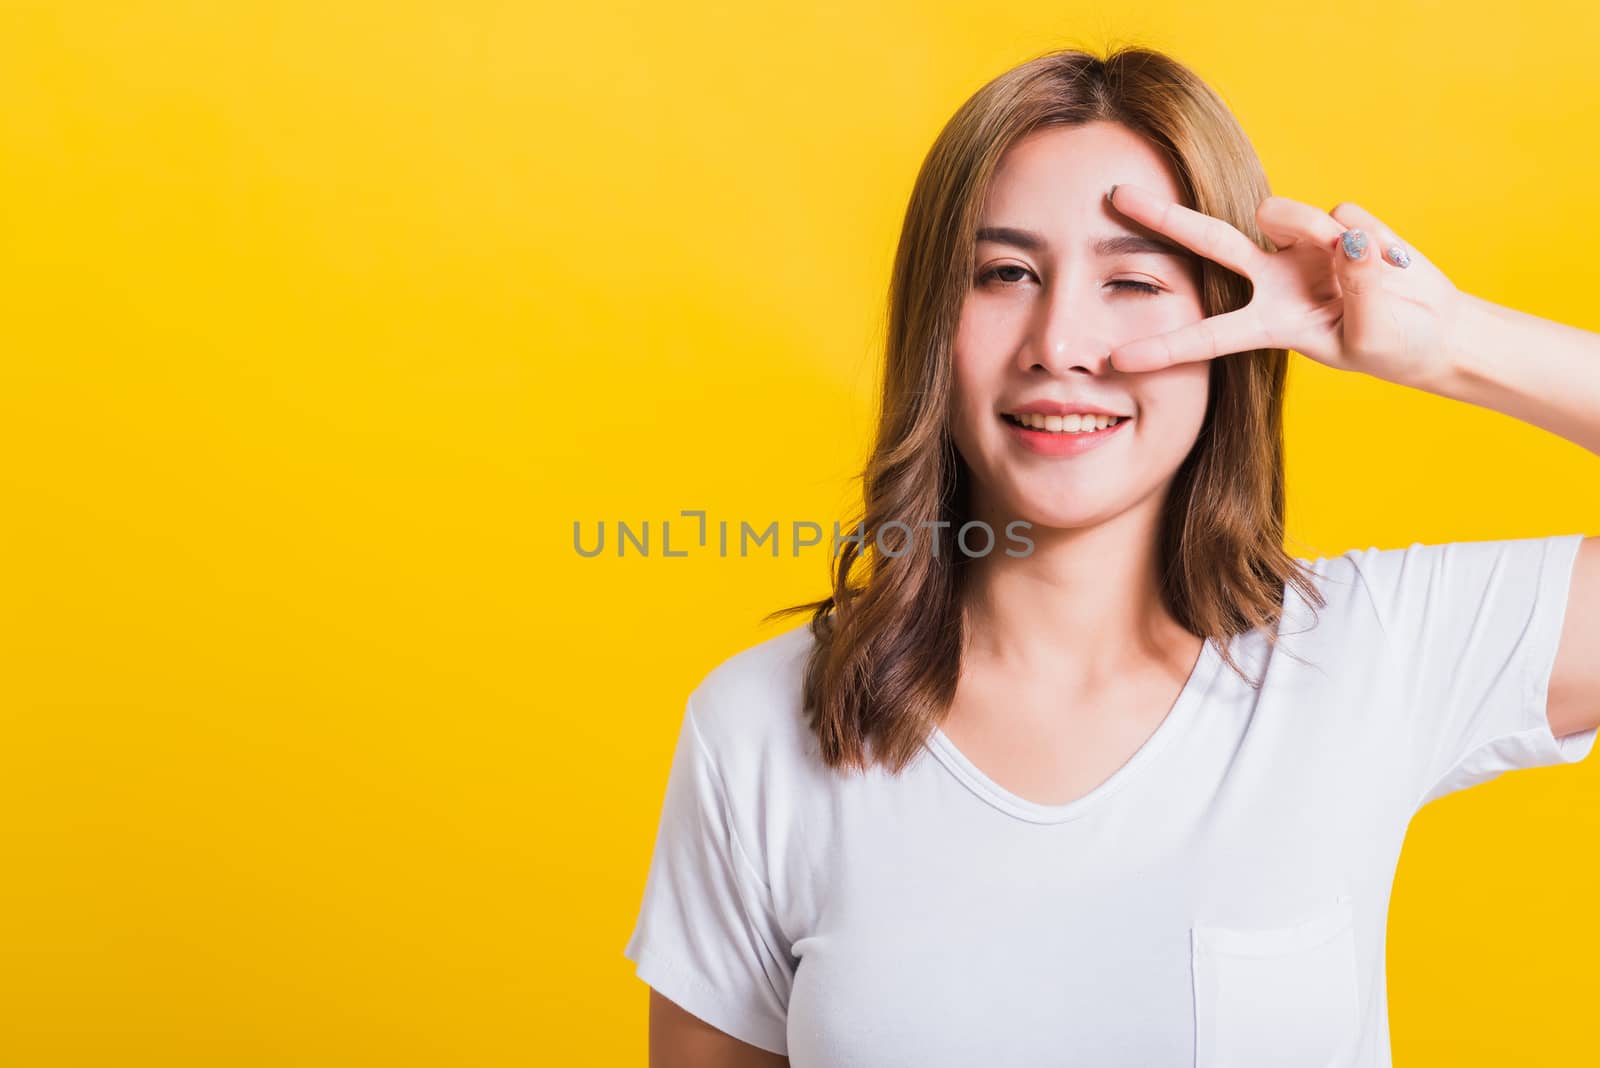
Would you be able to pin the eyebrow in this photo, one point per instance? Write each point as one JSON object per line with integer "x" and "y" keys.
{"x": 1120, "y": 244}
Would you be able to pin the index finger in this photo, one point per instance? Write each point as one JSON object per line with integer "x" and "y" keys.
{"x": 1217, "y": 335}
{"x": 1209, "y": 236}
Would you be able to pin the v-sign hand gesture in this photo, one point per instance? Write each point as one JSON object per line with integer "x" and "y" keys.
{"x": 1383, "y": 310}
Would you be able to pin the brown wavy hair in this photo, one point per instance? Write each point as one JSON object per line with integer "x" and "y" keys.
{"x": 887, "y": 653}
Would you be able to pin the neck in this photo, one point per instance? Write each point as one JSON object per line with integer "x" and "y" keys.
{"x": 1082, "y": 609}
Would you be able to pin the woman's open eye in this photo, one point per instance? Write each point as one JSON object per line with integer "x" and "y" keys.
{"x": 992, "y": 272}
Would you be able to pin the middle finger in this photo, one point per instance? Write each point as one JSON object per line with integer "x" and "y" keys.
{"x": 1209, "y": 236}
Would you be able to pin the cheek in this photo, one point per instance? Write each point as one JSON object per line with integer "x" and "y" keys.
{"x": 987, "y": 330}
{"x": 1167, "y": 313}
{"x": 968, "y": 425}
{"x": 971, "y": 362}
{"x": 1175, "y": 399}
{"x": 976, "y": 377}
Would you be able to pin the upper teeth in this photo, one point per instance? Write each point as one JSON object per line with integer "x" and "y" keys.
{"x": 1069, "y": 423}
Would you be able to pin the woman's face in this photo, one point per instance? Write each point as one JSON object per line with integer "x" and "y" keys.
{"x": 1046, "y": 302}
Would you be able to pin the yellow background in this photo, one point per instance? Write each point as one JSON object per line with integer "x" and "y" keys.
{"x": 322, "y": 324}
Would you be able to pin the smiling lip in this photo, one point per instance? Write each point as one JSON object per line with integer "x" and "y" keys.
{"x": 1048, "y": 407}
{"x": 1062, "y": 443}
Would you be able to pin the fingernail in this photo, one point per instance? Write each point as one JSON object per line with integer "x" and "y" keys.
{"x": 1112, "y": 194}
{"x": 1399, "y": 256}
{"x": 1354, "y": 242}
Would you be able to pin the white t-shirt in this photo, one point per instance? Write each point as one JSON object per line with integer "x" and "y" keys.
{"x": 1220, "y": 899}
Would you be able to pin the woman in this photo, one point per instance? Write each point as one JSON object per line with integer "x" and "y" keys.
{"x": 1136, "y": 796}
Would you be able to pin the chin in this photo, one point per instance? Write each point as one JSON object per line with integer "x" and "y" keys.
{"x": 1053, "y": 515}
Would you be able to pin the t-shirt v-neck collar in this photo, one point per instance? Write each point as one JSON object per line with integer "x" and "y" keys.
{"x": 1194, "y": 690}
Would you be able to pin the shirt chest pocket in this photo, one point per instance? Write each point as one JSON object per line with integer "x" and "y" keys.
{"x": 1278, "y": 995}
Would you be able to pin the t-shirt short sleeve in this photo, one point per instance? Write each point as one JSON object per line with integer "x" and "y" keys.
{"x": 706, "y": 936}
{"x": 1471, "y": 630}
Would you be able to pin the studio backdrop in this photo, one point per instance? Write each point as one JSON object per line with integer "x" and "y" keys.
{"x": 327, "y": 326}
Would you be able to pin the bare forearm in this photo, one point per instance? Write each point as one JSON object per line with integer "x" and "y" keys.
{"x": 1539, "y": 371}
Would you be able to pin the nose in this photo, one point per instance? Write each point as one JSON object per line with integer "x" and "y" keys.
{"x": 1060, "y": 359}
{"x": 1069, "y": 337}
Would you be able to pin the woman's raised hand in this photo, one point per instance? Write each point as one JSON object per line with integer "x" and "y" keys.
{"x": 1386, "y": 312}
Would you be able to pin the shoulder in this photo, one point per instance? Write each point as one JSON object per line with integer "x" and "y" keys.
{"x": 1397, "y": 581}
{"x": 749, "y": 718}
{"x": 1331, "y": 574}
{"x": 1371, "y": 577}
{"x": 750, "y": 683}
{"x": 1340, "y": 587}
{"x": 1360, "y": 587}
{"x": 749, "y": 709}
{"x": 1440, "y": 594}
